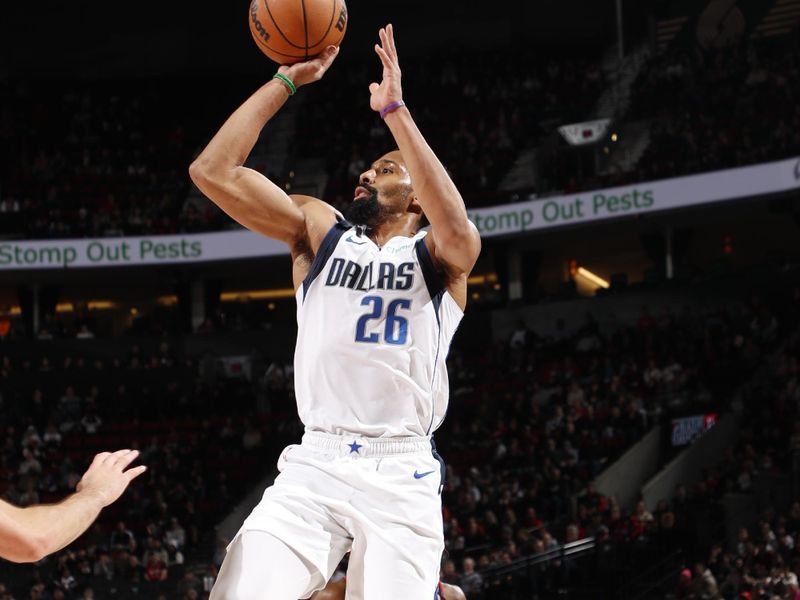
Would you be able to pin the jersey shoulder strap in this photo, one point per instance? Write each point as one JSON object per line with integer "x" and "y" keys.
{"x": 433, "y": 279}
{"x": 325, "y": 250}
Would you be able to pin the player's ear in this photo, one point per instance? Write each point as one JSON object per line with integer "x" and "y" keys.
{"x": 413, "y": 204}
{"x": 416, "y": 208}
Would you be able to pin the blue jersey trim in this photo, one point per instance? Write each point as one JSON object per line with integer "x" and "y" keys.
{"x": 435, "y": 361}
{"x": 436, "y": 290}
{"x": 442, "y": 466}
{"x": 324, "y": 252}
{"x": 433, "y": 281}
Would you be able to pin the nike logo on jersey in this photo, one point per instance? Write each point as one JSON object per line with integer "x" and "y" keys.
{"x": 352, "y": 241}
{"x": 418, "y": 475}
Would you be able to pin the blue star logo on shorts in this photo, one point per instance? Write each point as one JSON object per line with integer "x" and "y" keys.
{"x": 354, "y": 447}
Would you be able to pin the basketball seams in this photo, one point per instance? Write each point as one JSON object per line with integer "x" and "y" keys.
{"x": 283, "y": 35}
{"x": 313, "y": 14}
{"x": 263, "y": 45}
{"x": 305, "y": 24}
{"x": 335, "y": 5}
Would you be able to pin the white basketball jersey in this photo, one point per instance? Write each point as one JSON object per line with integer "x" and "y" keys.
{"x": 374, "y": 329}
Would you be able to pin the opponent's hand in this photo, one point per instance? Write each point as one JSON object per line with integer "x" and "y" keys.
{"x": 389, "y": 90}
{"x": 311, "y": 70}
{"x": 106, "y": 478}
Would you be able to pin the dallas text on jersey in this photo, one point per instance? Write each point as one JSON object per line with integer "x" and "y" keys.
{"x": 349, "y": 274}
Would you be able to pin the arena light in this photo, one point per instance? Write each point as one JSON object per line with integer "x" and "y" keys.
{"x": 100, "y": 305}
{"x": 482, "y": 279}
{"x": 595, "y": 279}
{"x": 68, "y": 307}
{"x": 257, "y": 295}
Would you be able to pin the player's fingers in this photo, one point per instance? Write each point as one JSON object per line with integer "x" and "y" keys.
{"x": 390, "y": 38}
{"x": 329, "y": 55}
{"x": 385, "y": 44}
{"x": 135, "y": 472}
{"x": 373, "y": 87}
{"x": 387, "y": 62}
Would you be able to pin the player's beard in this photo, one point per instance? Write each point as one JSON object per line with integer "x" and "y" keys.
{"x": 368, "y": 211}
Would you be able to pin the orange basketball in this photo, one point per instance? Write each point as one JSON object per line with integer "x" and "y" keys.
{"x": 289, "y": 31}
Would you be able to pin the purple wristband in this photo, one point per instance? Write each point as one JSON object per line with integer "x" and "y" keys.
{"x": 392, "y": 107}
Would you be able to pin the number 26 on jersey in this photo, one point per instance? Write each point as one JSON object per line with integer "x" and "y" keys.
{"x": 395, "y": 330}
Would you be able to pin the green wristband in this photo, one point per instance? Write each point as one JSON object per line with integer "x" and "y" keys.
{"x": 289, "y": 83}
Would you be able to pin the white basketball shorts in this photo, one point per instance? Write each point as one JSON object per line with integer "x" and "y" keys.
{"x": 379, "y": 498}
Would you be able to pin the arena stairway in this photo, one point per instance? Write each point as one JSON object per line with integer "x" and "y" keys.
{"x": 522, "y": 174}
{"x": 634, "y": 139}
{"x": 614, "y": 102}
{"x": 687, "y": 467}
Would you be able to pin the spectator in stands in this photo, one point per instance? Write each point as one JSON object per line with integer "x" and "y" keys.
{"x": 704, "y": 585}
{"x": 155, "y": 569}
{"x": 471, "y": 581}
{"x": 122, "y": 539}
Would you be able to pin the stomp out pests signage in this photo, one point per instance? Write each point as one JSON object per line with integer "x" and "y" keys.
{"x": 118, "y": 252}
{"x": 638, "y": 199}
{"x": 508, "y": 219}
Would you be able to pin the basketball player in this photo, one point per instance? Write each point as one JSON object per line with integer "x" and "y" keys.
{"x": 335, "y": 590}
{"x": 29, "y": 534}
{"x": 377, "y": 305}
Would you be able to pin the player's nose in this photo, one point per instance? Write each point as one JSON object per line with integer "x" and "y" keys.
{"x": 367, "y": 177}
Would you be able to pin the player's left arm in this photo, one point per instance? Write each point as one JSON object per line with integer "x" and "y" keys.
{"x": 456, "y": 241}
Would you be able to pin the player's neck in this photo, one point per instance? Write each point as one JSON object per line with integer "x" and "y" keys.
{"x": 386, "y": 231}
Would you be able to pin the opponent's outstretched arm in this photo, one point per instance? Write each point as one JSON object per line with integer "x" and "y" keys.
{"x": 30, "y": 534}
{"x": 245, "y": 194}
{"x": 456, "y": 239}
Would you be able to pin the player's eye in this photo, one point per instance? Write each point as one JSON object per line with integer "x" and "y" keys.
{"x": 386, "y": 170}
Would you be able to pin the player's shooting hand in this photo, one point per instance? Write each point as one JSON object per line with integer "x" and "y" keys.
{"x": 106, "y": 478}
{"x": 389, "y": 90}
{"x": 311, "y": 70}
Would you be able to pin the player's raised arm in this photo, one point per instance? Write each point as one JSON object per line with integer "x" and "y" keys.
{"x": 244, "y": 194}
{"x": 29, "y": 534}
{"x": 457, "y": 242}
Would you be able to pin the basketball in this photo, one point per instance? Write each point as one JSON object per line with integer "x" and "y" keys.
{"x": 290, "y": 31}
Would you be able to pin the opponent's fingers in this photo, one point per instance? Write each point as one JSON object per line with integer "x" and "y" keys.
{"x": 100, "y": 457}
{"x": 124, "y": 460}
{"x": 113, "y": 458}
{"x": 135, "y": 472}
